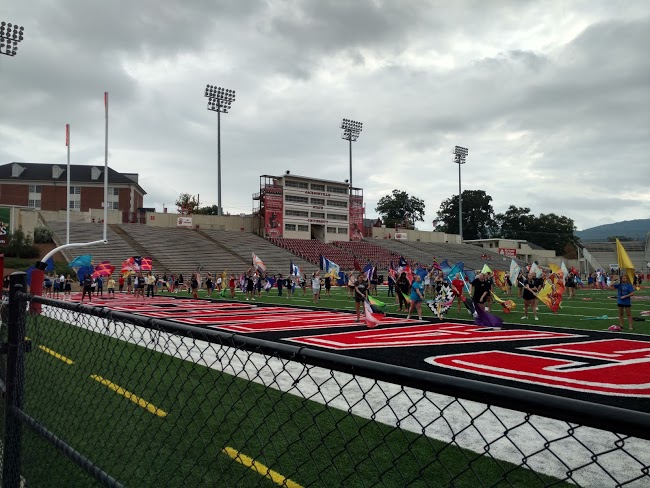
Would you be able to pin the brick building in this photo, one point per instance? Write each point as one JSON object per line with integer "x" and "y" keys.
{"x": 44, "y": 187}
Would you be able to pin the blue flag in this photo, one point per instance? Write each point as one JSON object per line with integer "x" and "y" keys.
{"x": 81, "y": 272}
{"x": 79, "y": 261}
{"x": 29, "y": 275}
{"x": 445, "y": 268}
{"x": 421, "y": 272}
{"x": 50, "y": 265}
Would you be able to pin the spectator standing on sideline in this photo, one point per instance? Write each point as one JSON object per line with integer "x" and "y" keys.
{"x": 151, "y": 284}
{"x": 67, "y": 288}
{"x": 625, "y": 291}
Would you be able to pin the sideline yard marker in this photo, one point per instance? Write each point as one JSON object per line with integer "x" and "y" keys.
{"x": 130, "y": 396}
{"x": 56, "y": 355}
{"x": 274, "y": 476}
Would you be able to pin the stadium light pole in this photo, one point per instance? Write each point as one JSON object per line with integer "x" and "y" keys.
{"x": 219, "y": 100}
{"x": 460, "y": 155}
{"x": 10, "y": 36}
{"x": 351, "y": 131}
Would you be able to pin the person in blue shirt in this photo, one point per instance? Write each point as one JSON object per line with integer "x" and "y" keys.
{"x": 625, "y": 291}
{"x": 417, "y": 295}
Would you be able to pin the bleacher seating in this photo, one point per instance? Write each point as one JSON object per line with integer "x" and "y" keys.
{"x": 605, "y": 253}
{"x": 366, "y": 251}
{"x": 116, "y": 251}
{"x": 243, "y": 244}
{"x": 311, "y": 250}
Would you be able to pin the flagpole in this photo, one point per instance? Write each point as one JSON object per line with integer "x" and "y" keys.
{"x": 106, "y": 164}
{"x": 67, "y": 198}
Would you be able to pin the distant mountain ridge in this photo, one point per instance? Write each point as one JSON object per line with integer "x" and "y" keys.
{"x": 634, "y": 229}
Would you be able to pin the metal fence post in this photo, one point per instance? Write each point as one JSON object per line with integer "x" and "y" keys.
{"x": 14, "y": 382}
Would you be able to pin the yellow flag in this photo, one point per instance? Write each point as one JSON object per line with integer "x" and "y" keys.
{"x": 554, "y": 267}
{"x": 624, "y": 261}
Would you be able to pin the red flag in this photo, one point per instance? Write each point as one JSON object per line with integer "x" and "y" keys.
{"x": 357, "y": 266}
{"x": 372, "y": 318}
{"x": 146, "y": 264}
{"x": 67, "y": 135}
{"x": 103, "y": 269}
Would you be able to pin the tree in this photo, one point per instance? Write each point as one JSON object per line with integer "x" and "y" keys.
{"x": 515, "y": 223}
{"x": 478, "y": 215}
{"x": 211, "y": 210}
{"x": 186, "y": 202}
{"x": 399, "y": 209}
{"x": 550, "y": 231}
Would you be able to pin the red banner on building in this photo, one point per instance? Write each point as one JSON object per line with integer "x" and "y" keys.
{"x": 507, "y": 251}
{"x": 273, "y": 209}
{"x": 356, "y": 218}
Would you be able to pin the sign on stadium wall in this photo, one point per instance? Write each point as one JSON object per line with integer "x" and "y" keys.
{"x": 184, "y": 222}
{"x": 5, "y": 221}
{"x": 401, "y": 236}
{"x": 508, "y": 251}
{"x": 356, "y": 218}
{"x": 273, "y": 210}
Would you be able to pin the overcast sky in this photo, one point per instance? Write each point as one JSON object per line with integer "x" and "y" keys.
{"x": 552, "y": 98}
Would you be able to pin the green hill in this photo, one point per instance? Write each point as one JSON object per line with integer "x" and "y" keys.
{"x": 632, "y": 229}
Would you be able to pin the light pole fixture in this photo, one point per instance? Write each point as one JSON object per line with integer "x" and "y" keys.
{"x": 351, "y": 131}
{"x": 460, "y": 155}
{"x": 219, "y": 100}
{"x": 10, "y": 36}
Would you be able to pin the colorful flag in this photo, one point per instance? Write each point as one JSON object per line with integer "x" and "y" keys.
{"x": 377, "y": 305}
{"x": 103, "y": 269}
{"x": 486, "y": 319}
{"x": 372, "y": 318}
{"x": 405, "y": 268}
{"x": 332, "y": 269}
{"x": 257, "y": 263}
{"x": 129, "y": 265}
{"x": 506, "y": 304}
{"x": 486, "y": 269}
{"x": 564, "y": 269}
{"x": 555, "y": 268}
{"x": 421, "y": 272}
{"x": 83, "y": 271}
{"x": 536, "y": 270}
{"x": 550, "y": 295}
{"x": 442, "y": 302}
{"x": 80, "y": 261}
{"x": 624, "y": 261}
{"x": 500, "y": 279}
{"x": 445, "y": 268}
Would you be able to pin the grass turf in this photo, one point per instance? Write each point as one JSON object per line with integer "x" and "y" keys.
{"x": 310, "y": 443}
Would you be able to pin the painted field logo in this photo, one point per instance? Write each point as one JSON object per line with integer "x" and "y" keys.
{"x": 608, "y": 367}
{"x": 425, "y": 335}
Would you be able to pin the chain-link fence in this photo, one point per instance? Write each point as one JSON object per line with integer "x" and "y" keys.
{"x": 99, "y": 396}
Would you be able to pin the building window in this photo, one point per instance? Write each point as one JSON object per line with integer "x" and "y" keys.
{"x": 303, "y": 228}
{"x": 317, "y": 201}
{"x": 113, "y": 205}
{"x": 113, "y": 191}
{"x": 318, "y": 215}
{"x": 296, "y": 184}
{"x": 337, "y": 189}
{"x": 35, "y": 189}
{"x": 289, "y": 226}
{"x": 74, "y": 205}
{"x": 317, "y": 187}
{"x": 34, "y": 203}
{"x": 331, "y": 230}
{"x": 337, "y": 203}
{"x": 343, "y": 230}
{"x": 337, "y": 217}
{"x": 295, "y": 199}
{"x": 296, "y": 213}
{"x": 75, "y": 190}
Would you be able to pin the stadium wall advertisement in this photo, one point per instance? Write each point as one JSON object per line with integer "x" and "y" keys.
{"x": 273, "y": 210}
{"x": 356, "y": 218}
{"x": 184, "y": 222}
{"x": 508, "y": 252}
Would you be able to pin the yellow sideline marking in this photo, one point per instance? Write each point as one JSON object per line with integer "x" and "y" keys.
{"x": 130, "y": 396}
{"x": 274, "y": 476}
{"x": 56, "y": 355}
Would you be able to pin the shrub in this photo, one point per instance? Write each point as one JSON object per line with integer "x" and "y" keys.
{"x": 42, "y": 235}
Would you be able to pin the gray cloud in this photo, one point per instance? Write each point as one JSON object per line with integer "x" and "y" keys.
{"x": 552, "y": 99}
